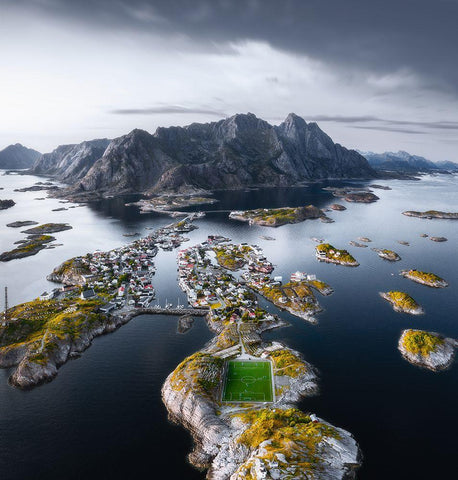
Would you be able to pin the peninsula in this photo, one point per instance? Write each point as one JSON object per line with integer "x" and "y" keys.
{"x": 425, "y": 278}
{"x": 427, "y": 349}
{"x": 276, "y": 217}
{"x": 402, "y": 302}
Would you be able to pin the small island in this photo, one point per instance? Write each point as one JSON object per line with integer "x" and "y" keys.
{"x": 427, "y": 349}
{"x": 4, "y": 204}
{"x": 19, "y": 224}
{"x": 170, "y": 203}
{"x": 438, "y": 239}
{"x": 402, "y": 302}
{"x": 27, "y": 248}
{"x": 361, "y": 197}
{"x": 338, "y": 207}
{"x": 325, "y": 252}
{"x": 276, "y": 217}
{"x": 425, "y": 278}
{"x": 429, "y": 214}
{"x": 353, "y": 243}
{"x": 387, "y": 254}
{"x": 48, "y": 228}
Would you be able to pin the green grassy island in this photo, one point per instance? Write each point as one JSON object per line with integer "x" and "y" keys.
{"x": 325, "y": 252}
{"x": 402, "y": 302}
{"x": 387, "y": 254}
{"x": 427, "y": 349}
{"x": 276, "y": 217}
{"x": 425, "y": 278}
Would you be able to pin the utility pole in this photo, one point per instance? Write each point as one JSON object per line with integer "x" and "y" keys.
{"x": 5, "y": 313}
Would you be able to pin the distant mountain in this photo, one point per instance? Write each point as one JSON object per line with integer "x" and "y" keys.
{"x": 17, "y": 156}
{"x": 69, "y": 163}
{"x": 240, "y": 151}
{"x": 447, "y": 165}
{"x": 405, "y": 162}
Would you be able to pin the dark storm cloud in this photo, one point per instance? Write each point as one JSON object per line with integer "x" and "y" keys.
{"x": 376, "y": 36}
{"x": 169, "y": 109}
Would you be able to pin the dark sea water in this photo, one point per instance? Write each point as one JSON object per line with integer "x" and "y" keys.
{"x": 102, "y": 417}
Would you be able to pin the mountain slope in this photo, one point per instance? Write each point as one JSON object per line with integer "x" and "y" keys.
{"x": 69, "y": 163}
{"x": 404, "y": 162}
{"x": 18, "y": 156}
{"x": 236, "y": 152}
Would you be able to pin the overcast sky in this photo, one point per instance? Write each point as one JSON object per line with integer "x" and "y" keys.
{"x": 375, "y": 75}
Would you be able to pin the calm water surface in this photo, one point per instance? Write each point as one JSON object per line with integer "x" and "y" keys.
{"x": 102, "y": 417}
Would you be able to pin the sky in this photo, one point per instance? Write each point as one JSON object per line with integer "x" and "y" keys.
{"x": 375, "y": 75}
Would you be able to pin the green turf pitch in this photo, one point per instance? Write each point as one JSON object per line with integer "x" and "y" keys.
{"x": 248, "y": 381}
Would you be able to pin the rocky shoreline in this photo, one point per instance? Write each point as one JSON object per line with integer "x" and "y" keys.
{"x": 221, "y": 431}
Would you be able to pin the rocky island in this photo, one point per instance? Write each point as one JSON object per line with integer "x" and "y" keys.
{"x": 23, "y": 223}
{"x": 425, "y": 278}
{"x": 438, "y": 239}
{"x": 48, "y": 228}
{"x": 27, "y": 248}
{"x": 338, "y": 207}
{"x": 244, "y": 427}
{"x": 361, "y": 197}
{"x": 387, "y": 254}
{"x": 4, "y": 204}
{"x": 276, "y": 217}
{"x": 427, "y": 349}
{"x": 325, "y": 252}
{"x": 402, "y": 302}
{"x": 429, "y": 214}
{"x": 170, "y": 203}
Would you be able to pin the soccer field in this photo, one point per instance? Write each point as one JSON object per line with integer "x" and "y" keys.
{"x": 248, "y": 381}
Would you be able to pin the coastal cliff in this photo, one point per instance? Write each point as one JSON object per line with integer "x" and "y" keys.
{"x": 258, "y": 441}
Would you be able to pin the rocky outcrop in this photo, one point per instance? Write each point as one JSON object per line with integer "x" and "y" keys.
{"x": 32, "y": 371}
{"x": 70, "y": 272}
{"x": 18, "y": 157}
{"x": 5, "y": 204}
{"x": 238, "y": 152}
{"x": 69, "y": 163}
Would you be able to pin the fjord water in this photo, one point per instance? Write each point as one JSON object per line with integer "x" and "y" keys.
{"x": 102, "y": 417}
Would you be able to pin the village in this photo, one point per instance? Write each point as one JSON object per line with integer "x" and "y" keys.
{"x": 124, "y": 275}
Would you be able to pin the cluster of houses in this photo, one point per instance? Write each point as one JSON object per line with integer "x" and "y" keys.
{"x": 206, "y": 284}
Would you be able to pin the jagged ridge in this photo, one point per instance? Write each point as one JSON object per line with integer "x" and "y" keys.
{"x": 236, "y": 152}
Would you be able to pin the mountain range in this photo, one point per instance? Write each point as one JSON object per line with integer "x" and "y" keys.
{"x": 18, "y": 156}
{"x": 237, "y": 152}
{"x": 405, "y": 162}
